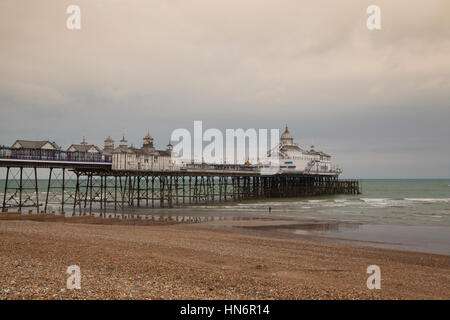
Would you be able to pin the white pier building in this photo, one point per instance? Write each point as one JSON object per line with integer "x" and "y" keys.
{"x": 294, "y": 158}
{"x": 144, "y": 158}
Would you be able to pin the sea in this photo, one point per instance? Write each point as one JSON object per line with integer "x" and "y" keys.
{"x": 407, "y": 214}
{"x": 406, "y": 202}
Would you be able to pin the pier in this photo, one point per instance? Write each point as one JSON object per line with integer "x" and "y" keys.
{"x": 92, "y": 187}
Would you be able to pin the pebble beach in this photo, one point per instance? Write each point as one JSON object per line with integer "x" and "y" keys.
{"x": 194, "y": 261}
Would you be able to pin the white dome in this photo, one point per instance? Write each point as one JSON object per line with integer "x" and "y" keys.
{"x": 286, "y": 134}
{"x": 286, "y": 138}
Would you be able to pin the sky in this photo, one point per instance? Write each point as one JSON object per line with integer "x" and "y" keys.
{"x": 377, "y": 101}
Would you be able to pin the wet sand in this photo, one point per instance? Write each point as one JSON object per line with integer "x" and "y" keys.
{"x": 203, "y": 261}
{"x": 427, "y": 239}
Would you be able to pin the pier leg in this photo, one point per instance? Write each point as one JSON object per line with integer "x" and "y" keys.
{"x": 195, "y": 190}
{"x": 6, "y": 189}
{"x": 153, "y": 192}
{"x": 122, "y": 192}
{"x": 62, "y": 190}
{"x": 77, "y": 195}
{"x": 213, "y": 189}
{"x": 225, "y": 188}
{"x": 115, "y": 194}
{"x": 176, "y": 190}
{"x": 90, "y": 195}
{"x": 48, "y": 190}
{"x": 161, "y": 191}
{"x": 138, "y": 191}
{"x": 184, "y": 188}
{"x": 190, "y": 188}
{"x": 86, "y": 194}
{"x": 101, "y": 193}
{"x": 169, "y": 193}
{"x": 20, "y": 190}
{"x": 132, "y": 186}
{"x": 105, "y": 192}
{"x": 146, "y": 191}
{"x": 37, "y": 189}
{"x": 220, "y": 188}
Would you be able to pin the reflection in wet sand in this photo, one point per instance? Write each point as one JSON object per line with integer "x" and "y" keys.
{"x": 431, "y": 239}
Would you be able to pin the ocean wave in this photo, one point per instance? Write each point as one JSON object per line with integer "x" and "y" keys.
{"x": 377, "y": 200}
{"x": 334, "y": 204}
{"x": 262, "y": 204}
{"x": 428, "y": 199}
{"x": 385, "y": 202}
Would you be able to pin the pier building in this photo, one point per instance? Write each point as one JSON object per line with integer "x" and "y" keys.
{"x": 294, "y": 158}
{"x": 146, "y": 158}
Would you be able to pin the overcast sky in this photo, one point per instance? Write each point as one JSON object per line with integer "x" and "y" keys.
{"x": 377, "y": 101}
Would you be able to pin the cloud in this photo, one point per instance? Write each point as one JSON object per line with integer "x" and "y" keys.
{"x": 160, "y": 64}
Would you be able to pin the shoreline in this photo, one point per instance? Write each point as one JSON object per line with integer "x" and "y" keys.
{"x": 416, "y": 238}
{"x": 194, "y": 261}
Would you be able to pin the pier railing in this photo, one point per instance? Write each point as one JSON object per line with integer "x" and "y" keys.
{"x": 251, "y": 168}
{"x": 50, "y": 155}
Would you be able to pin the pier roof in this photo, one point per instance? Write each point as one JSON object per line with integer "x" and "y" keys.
{"x": 83, "y": 148}
{"x": 29, "y": 144}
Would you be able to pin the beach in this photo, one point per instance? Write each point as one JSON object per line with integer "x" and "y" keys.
{"x": 204, "y": 261}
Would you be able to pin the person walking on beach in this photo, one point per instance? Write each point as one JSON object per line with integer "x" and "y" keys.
{"x": 270, "y": 210}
